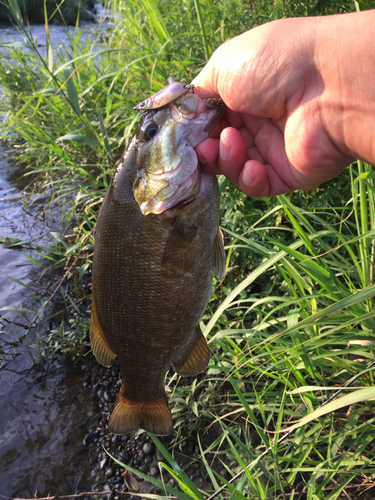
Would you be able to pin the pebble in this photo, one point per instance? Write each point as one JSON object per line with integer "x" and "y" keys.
{"x": 107, "y": 397}
{"x": 148, "y": 448}
{"x": 154, "y": 471}
{"x": 109, "y": 472}
{"x": 159, "y": 455}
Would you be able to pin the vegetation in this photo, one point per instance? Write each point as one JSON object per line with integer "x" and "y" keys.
{"x": 65, "y": 12}
{"x": 293, "y": 320}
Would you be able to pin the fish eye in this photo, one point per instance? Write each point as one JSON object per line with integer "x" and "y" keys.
{"x": 150, "y": 131}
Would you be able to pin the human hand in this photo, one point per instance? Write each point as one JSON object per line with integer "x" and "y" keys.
{"x": 287, "y": 125}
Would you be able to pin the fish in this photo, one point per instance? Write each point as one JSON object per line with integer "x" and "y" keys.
{"x": 172, "y": 91}
{"x": 157, "y": 244}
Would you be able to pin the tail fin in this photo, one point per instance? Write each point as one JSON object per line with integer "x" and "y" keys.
{"x": 153, "y": 416}
{"x": 195, "y": 358}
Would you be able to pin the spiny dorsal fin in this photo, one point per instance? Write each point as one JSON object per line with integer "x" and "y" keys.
{"x": 195, "y": 356}
{"x": 99, "y": 344}
{"x": 219, "y": 256}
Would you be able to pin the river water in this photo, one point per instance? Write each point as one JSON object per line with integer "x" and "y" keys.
{"x": 44, "y": 411}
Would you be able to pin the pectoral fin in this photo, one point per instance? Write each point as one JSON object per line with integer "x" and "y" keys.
{"x": 177, "y": 251}
{"x": 99, "y": 345}
{"x": 219, "y": 256}
{"x": 195, "y": 356}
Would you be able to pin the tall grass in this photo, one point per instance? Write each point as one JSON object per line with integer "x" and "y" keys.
{"x": 293, "y": 320}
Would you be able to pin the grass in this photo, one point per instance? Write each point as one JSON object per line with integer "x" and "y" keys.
{"x": 293, "y": 320}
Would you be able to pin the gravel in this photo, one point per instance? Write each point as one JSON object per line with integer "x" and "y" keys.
{"x": 136, "y": 451}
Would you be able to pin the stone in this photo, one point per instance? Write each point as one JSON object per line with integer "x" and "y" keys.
{"x": 148, "y": 448}
{"x": 107, "y": 397}
{"x": 109, "y": 472}
{"x": 154, "y": 471}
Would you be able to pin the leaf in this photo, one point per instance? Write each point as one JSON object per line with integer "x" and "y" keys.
{"x": 71, "y": 90}
{"x": 359, "y": 396}
{"x": 51, "y": 92}
{"x": 78, "y": 138}
{"x": 13, "y": 4}
{"x": 309, "y": 388}
{"x": 130, "y": 481}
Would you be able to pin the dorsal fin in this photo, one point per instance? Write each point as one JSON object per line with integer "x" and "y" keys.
{"x": 99, "y": 345}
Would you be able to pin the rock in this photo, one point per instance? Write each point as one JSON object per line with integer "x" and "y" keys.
{"x": 100, "y": 394}
{"x": 148, "y": 448}
{"x": 159, "y": 455}
{"x": 109, "y": 472}
{"x": 154, "y": 471}
{"x": 115, "y": 439}
{"x": 123, "y": 456}
{"x": 171, "y": 482}
{"x": 107, "y": 397}
{"x": 146, "y": 487}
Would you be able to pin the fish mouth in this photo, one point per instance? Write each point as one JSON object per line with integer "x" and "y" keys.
{"x": 180, "y": 195}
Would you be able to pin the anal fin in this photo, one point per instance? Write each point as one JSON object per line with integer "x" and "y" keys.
{"x": 195, "y": 357}
{"x": 99, "y": 345}
{"x": 152, "y": 416}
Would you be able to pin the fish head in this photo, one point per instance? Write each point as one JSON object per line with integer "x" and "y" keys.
{"x": 167, "y": 167}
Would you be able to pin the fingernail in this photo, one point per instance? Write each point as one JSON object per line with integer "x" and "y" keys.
{"x": 224, "y": 148}
{"x": 247, "y": 177}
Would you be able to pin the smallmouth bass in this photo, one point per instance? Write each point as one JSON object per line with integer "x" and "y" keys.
{"x": 157, "y": 244}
